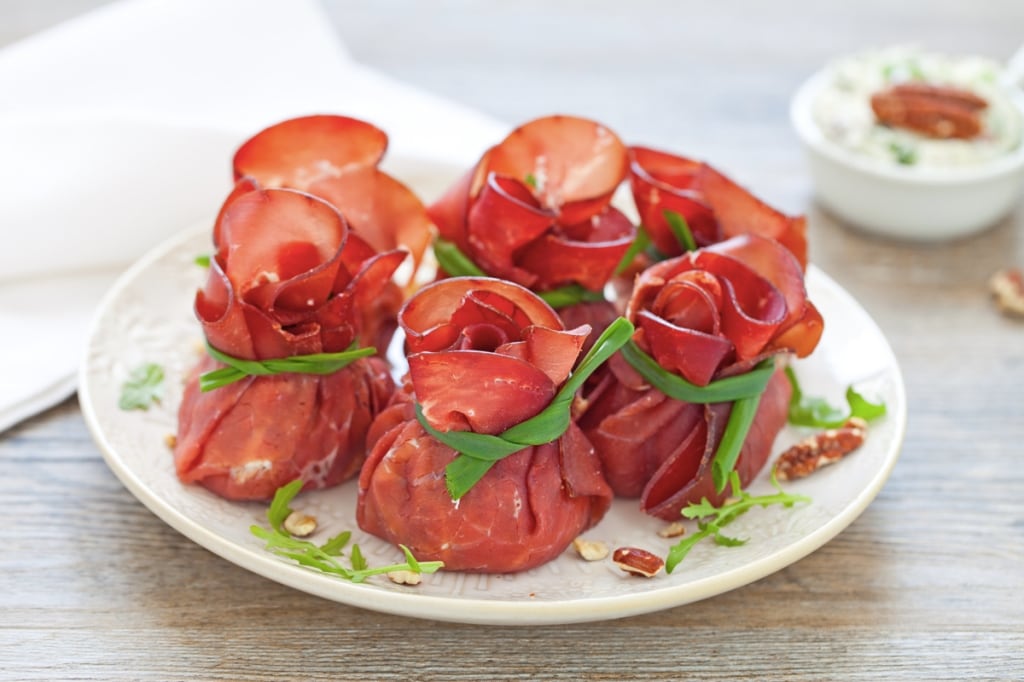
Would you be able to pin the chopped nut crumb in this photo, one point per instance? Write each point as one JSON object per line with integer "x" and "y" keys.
{"x": 405, "y": 577}
{"x": 590, "y": 550}
{"x": 673, "y": 530}
{"x": 300, "y": 525}
{"x": 171, "y": 440}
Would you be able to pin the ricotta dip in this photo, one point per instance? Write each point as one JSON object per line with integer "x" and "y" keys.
{"x": 842, "y": 108}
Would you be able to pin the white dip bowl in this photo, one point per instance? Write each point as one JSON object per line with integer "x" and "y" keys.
{"x": 945, "y": 192}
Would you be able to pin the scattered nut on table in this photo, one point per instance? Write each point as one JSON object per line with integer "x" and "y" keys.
{"x": 300, "y": 525}
{"x": 638, "y": 561}
{"x": 821, "y": 449}
{"x": 1007, "y": 287}
{"x": 590, "y": 550}
{"x": 171, "y": 440}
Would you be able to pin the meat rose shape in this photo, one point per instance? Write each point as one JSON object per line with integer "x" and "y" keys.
{"x": 288, "y": 279}
{"x": 484, "y": 355}
{"x": 714, "y": 313}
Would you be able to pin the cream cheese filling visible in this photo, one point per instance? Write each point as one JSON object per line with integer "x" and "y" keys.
{"x": 842, "y": 109}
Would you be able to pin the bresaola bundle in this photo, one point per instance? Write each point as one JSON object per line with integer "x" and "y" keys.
{"x": 717, "y": 313}
{"x": 287, "y": 281}
{"x": 336, "y": 158}
{"x": 484, "y": 356}
{"x": 536, "y": 210}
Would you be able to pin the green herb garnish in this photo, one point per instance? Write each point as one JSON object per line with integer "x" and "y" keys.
{"x": 453, "y": 261}
{"x": 531, "y": 180}
{"x": 680, "y": 229}
{"x": 144, "y": 387}
{"x": 480, "y": 451}
{"x": 903, "y": 154}
{"x": 711, "y": 519}
{"x": 202, "y": 260}
{"x": 674, "y": 386}
{"x": 743, "y": 390}
{"x": 324, "y": 558}
{"x": 571, "y": 294}
{"x": 315, "y": 363}
{"x": 817, "y": 412}
{"x": 640, "y": 243}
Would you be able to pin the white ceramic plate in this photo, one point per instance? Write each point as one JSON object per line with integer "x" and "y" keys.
{"x": 147, "y": 317}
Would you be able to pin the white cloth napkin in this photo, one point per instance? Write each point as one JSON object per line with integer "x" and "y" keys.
{"x": 117, "y": 130}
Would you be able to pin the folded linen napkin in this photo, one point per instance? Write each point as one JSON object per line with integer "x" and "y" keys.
{"x": 121, "y": 125}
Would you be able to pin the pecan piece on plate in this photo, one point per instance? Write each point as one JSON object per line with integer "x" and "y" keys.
{"x": 932, "y": 110}
{"x": 300, "y": 525}
{"x": 1007, "y": 287}
{"x": 638, "y": 561}
{"x": 821, "y": 449}
{"x": 590, "y": 550}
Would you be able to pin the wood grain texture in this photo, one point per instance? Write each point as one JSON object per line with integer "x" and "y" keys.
{"x": 928, "y": 584}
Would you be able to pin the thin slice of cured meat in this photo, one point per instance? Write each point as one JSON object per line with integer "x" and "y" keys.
{"x": 714, "y": 207}
{"x": 663, "y": 182}
{"x": 709, "y": 314}
{"x": 288, "y": 278}
{"x": 536, "y": 209}
{"x": 740, "y": 212}
{"x": 336, "y": 158}
{"x": 484, "y": 355}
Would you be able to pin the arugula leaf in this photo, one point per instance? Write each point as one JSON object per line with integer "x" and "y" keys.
{"x": 357, "y": 559}
{"x": 279, "y": 509}
{"x": 144, "y": 387}
{"x": 726, "y": 541}
{"x": 712, "y": 519}
{"x": 324, "y": 558}
{"x": 337, "y": 543}
{"x": 314, "y": 363}
{"x": 818, "y": 412}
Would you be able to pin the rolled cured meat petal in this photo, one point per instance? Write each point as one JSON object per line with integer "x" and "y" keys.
{"x": 713, "y": 313}
{"x": 288, "y": 279}
{"x": 714, "y": 207}
{"x": 536, "y": 209}
{"x": 336, "y": 159}
{"x": 484, "y": 355}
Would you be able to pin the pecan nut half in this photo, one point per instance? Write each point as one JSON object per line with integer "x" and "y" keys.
{"x": 638, "y": 561}
{"x": 935, "y": 111}
{"x": 821, "y": 449}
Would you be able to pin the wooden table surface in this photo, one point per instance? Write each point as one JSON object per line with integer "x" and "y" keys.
{"x": 927, "y": 584}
